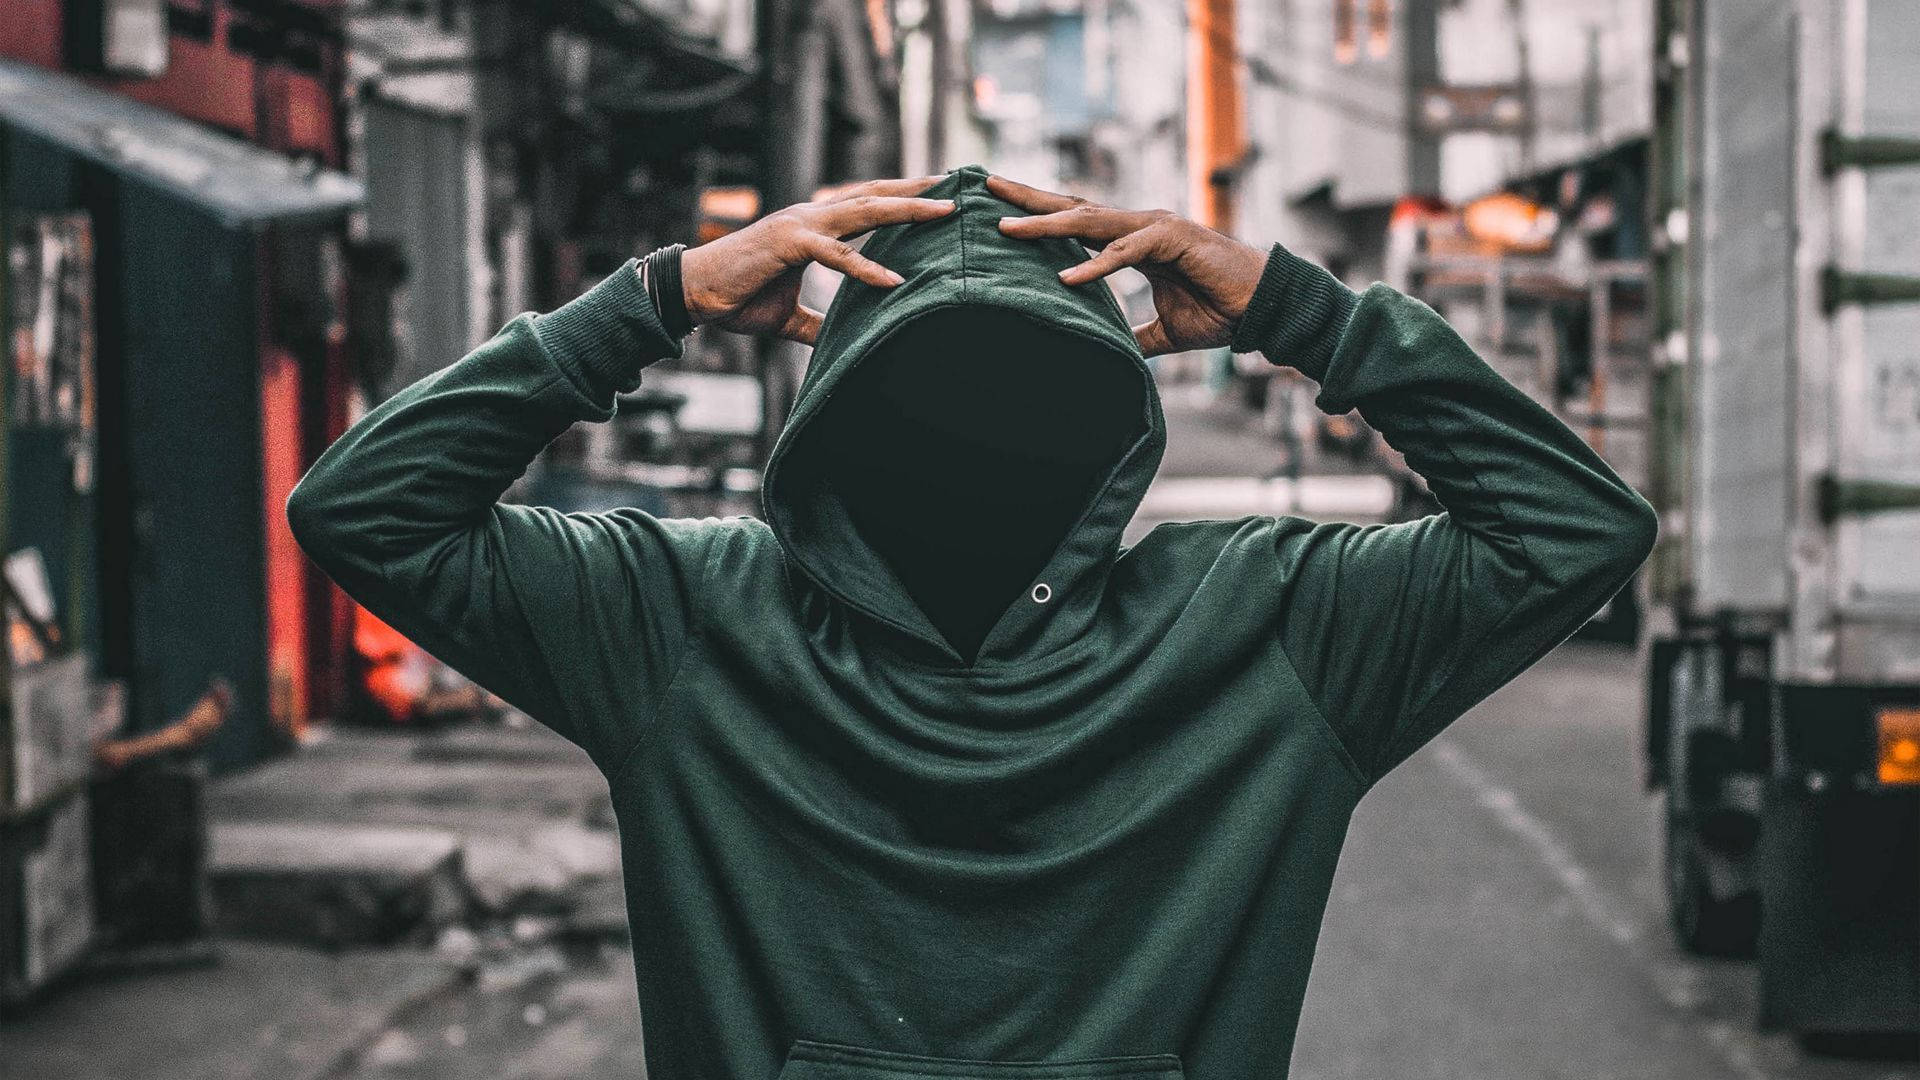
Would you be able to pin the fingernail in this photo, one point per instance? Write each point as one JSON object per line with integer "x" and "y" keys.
{"x": 894, "y": 278}
{"x": 1064, "y": 273}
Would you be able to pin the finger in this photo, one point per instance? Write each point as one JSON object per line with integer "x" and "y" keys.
{"x": 840, "y": 255}
{"x": 1096, "y": 224}
{"x": 1153, "y": 339}
{"x": 1032, "y": 199}
{"x": 912, "y": 185}
{"x": 1147, "y": 245}
{"x": 864, "y": 213}
{"x": 803, "y": 325}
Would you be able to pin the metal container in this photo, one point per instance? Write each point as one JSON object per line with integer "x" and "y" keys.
{"x": 46, "y": 734}
{"x": 1802, "y": 505}
{"x": 46, "y": 896}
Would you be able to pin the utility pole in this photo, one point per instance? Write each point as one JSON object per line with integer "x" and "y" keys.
{"x": 793, "y": 93}
{"x": 1422, "y": 76}
{"x": 814, "y": 55}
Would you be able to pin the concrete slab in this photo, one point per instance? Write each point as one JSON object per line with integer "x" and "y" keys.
{"x": 538, "y": 870}
{"x": 454, "y": 778}
{"x": 332, "y": 884}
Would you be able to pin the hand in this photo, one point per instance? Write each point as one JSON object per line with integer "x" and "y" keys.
{"x": 1201, "y": 278}
{"x": 749, "y": 281}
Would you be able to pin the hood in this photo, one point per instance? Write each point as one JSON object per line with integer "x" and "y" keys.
{"x": 1062, "y": 390}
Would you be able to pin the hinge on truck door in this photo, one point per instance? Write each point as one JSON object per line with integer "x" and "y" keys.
{"x": 1837, "y": 497}
{"x": 1839, "y": 287}
{"x": 1839, "y": 151}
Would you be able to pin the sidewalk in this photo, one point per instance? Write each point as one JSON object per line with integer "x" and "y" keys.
{"x": 518, "y": 828}
{"x": 260, "y": 1011}
{"x": 525, "y": 814}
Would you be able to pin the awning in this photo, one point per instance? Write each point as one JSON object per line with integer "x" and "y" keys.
{"x": 236, "y": 181}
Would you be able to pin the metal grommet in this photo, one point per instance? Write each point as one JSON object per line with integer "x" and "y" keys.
{"x": 1042, "y": 593}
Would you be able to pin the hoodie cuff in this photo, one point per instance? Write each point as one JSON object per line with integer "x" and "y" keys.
{"x": 1296, "y": 314}
{"x": 604, "y": 337}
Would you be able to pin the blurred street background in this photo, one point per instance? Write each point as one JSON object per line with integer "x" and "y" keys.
{"x": 248, "y": 830}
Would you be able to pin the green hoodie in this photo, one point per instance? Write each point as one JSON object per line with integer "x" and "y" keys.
{"x": 1101, "y": 846}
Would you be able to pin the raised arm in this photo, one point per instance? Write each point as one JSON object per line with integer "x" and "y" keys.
{"x": 578, "y": 619}
{"x": 1394, "y": 630}
{"x": 403, "y": 512}
{"x": 1398, "y": 629}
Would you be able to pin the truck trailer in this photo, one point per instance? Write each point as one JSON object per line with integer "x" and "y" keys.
{"x": 1782, "y": 643}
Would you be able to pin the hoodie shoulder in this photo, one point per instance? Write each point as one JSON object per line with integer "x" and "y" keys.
{"x": 1244, "y": 555}
{"x": 1191, "y": 552}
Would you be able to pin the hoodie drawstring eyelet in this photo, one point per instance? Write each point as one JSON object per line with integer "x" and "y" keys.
{"x": 1042, "y": 593}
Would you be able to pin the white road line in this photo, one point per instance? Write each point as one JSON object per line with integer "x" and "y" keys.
{"x": 1673, "y": 982}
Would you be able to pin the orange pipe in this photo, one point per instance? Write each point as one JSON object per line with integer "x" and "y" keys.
{"x": 1215, "y": 130}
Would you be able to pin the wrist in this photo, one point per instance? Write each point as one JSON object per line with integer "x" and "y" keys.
{"x": 1295, "y": 314}
{"x": 606, "y": 335}
{"x": 695, "y": 274}
{"x": 1248, "y": 265}
{"x": 662, "y": 278}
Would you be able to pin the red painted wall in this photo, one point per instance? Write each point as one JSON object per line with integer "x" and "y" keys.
{"x": 33, "y": 31}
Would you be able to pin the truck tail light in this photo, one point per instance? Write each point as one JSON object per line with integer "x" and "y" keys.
{"x": 1899, "y": 730}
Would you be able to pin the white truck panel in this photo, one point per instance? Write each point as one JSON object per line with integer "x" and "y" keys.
{"x": 1784, "y": 392}
{"x": 1741, "y": 468}
{"x": 1875, "y": 559}
{"x": 1880, "y": 555}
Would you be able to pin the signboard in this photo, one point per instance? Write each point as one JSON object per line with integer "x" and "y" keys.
{"x": 50, "y": 287}
{"x": 1497, "y": 107}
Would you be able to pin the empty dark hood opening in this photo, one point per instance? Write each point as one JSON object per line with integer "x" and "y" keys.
{"x": 961, "y": 451}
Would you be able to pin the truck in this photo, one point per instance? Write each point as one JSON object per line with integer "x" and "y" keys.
{"x": 1781, "y": 649}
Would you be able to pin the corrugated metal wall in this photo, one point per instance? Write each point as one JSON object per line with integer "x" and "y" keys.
{"x": 417, "y": 198}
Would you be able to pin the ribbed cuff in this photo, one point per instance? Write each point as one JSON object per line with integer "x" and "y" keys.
{"x": 1296, "y": 314}
{"x": 605, "y": 336}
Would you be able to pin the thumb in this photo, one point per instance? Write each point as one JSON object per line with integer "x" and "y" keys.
{"x": 802, "y": 325}
{"x": 1152, "y": 336}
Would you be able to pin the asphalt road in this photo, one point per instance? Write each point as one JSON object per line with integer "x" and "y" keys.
{"x": 1497, "y": 913}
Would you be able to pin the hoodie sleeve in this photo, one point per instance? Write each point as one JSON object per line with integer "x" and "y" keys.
{"x": 1395, "y": 630}
{"x": 576, "y": 619}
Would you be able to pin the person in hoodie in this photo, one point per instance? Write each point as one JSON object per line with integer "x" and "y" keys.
{"x": 925, "y": 774}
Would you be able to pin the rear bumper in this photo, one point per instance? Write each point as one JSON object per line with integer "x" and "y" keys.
{"x": 1840, "y": 901}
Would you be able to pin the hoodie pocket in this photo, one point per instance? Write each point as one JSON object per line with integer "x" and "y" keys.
{"x": 808, "y": 1059}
